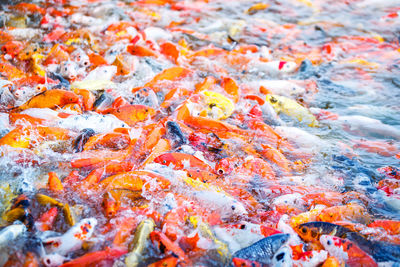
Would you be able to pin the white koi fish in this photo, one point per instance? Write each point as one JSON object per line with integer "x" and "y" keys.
{"x": 72, "y": 239}
{"x": 10, "y": 233}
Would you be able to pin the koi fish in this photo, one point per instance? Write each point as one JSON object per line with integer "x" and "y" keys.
{"x": 380, "y": 251}
{"x": 263, "y": 250}
{"x": 241, "y": 235}
{"x": 215, "y": 198}
{"x": 283, "y": 257}
{"x": 138, "y": 244}
{"x": 256, "y": 8}
{"x": 97, "y": 122}
{"x": 346, "y": 251}
{"x": 217, "y": 105}
{"x": 46, "y": 220}
{"x": 385, "y": 149}
{"x": 182, "y": 161}
{"x": 95, "y": 257}
{"x": 69, "y": 70}
{"x": 281, "y": 87}
{"x": 221, "y": 247}
{"x": 291, "y": 108}
{"x": 276, "y": 67}
{"x": 6, "y": 97}
{"x": 352, "y": 212}
{"x": 307, "y": 141}
{"x": 174, "y": 133}
{"x": 50, "y": 99}
{"x": 82, "y": 139}
{"x": 131, "y": 114}
{"x": 10, "y": 233}
{"x": 12, "y": 48}
{"x": 97, "y": 79}
{"x": 80, "y": 57}
{"x": 73, "y": 239}
{"x": 312, "y": 231}
{"x": 365, "y": 126}
{"x": 10, "y": 71}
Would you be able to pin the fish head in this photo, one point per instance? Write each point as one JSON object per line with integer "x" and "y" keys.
{"x": 287, "y": 67}
{"x": 69, "y": 69}
{"x": 80, "y": 57}
{"x": 70, "y": 97}
{"x": 226, "y": 166}
{"x": 28, "y": 52}
{"x": 304, "y": 232}
{"x": 237, "y": 208}
{"x": 266, "y": 248}
{"x": 327, "y": 241}
{"x": 21, "y": 92}
{"x": 283, "y": 257}
{"x": 278, "y": 240}
{"x": 274, "y": 101}
{"x": 333, "y": 245}
{"x": 53, "y": 259}
{"x": 308, "y": 232}
{"x": 165, "y": 159}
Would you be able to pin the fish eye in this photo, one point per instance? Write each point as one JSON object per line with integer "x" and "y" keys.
{"x": 304, "y": 230}
{"x": 221, "y": 171}
{"x": 280, "y": 256}
{"x": 164, "y": 161}
{"x": 233, "y": 207}
{"x": 329, "y": 242}
{"x": 273, "y": 100}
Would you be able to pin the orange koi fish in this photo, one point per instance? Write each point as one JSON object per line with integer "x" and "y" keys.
{"x": 182, "y": 161}
{"x": 96, "y": 257}
{"x": 50, "y": 99}
{"x": 131, "y": 114}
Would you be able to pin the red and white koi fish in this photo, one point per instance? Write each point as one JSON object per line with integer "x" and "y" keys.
{"x": 346, "y": 251}
{"x": 70, "y": 241}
